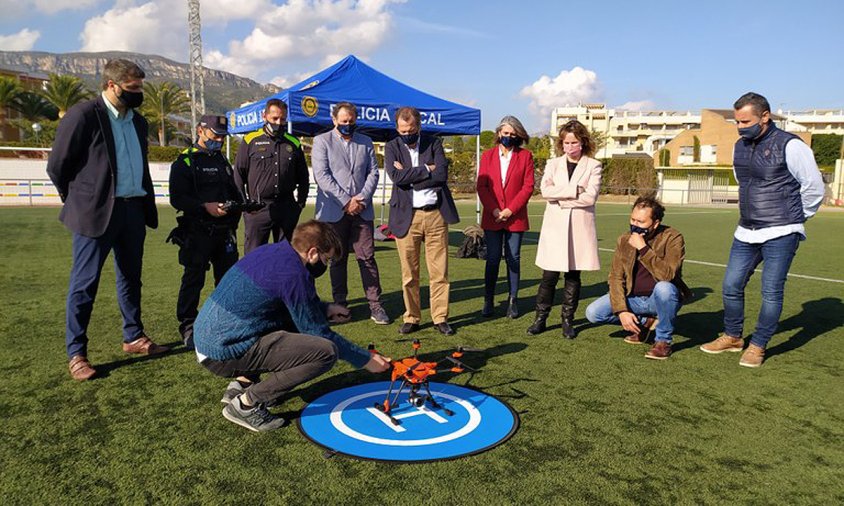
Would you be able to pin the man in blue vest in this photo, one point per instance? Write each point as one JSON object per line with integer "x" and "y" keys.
{"x": 780, "y": 187}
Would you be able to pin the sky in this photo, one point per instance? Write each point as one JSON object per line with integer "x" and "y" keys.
{"x": 503, "y": 57}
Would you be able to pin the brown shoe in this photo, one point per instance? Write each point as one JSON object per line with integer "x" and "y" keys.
{"x": 722, "y": 344}
{"x": 753, "y": 356}
{"x": 80, "y": 368}
{"x": 644, "y": 334}
{"x": 144, "y": 346}
{"x": 661, "y": 350}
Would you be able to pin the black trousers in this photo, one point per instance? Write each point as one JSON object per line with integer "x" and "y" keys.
{"x": 279, "y": 218}
{"x": 202, "y": 250}
{"x": 286, "y": 358}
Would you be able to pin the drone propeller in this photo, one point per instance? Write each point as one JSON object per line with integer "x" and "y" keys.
{"x": 466, "y": 348}
{"x": 460, "y": 364}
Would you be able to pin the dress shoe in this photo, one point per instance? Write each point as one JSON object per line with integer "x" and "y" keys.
{"x": 568, "y": 328}
{"x": 661, "y": 350}
{"x": 80, "y": 368}
{"x": 513, "y": 308}
{"x": 486, "y": 312}
{"x": 408, "y": 328}
{"x": 144, "y": 346}
{"x": 444, "y": 328}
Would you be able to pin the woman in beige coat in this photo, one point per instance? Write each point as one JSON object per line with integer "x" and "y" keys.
{"x": 568, "y": 242}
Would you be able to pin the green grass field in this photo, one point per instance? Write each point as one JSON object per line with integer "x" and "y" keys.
{"x": 600, "y": 424}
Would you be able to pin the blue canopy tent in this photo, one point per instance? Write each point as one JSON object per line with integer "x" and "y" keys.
{"x": 376, "y": 96}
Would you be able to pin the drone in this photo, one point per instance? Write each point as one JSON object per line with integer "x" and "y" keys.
{"x": 413, "y": 374}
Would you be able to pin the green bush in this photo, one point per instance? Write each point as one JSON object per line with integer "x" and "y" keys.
{"x": 164, "y": 153}
{"x": 627, "y": 176}
{"x": 827, "y": 148}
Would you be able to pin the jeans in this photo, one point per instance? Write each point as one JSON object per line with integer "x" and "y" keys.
{"x": 663, "y": 303}
{"x": 777, "y": 255}
{"x": 511, "y": 243}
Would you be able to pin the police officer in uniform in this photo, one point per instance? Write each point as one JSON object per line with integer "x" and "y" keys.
{"x": 270, "y": 165}
{"x": 201, "y": 182}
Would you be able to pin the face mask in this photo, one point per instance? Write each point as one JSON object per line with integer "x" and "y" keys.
{"x": 409, "y": 139}
{"x": 213, "y": 146}
{"x": 276, "y": 130}
{"x": 131, "y": 99}
{"x": 573, "y": 151}
{"x": 346, "y": 130}
{"x": 510, "y": 142}
{"x": 751, "y": 132}
{"x": 317, "y": 269}
{"x": 638, "y": 230}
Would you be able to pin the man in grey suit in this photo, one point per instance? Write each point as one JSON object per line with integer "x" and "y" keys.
{"x": 346, "y": 173}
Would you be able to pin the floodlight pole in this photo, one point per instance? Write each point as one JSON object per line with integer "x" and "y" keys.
{"x": 197, "y": 74}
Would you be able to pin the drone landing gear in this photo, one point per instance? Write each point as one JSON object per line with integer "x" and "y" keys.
{"x": 413, "y": 397}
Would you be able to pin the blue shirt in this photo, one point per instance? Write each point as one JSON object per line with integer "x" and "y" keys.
{"x": 127, "y": 148}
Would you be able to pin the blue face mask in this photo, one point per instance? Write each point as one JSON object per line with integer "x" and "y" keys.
{"x": 751, "y": 132}
{"x": 410, "y": 139}
{"x": 510, "y": 142}
{"x": 346, "y": 130}
{"x": 213, "y": 145}
{"x": 638, "y": 230}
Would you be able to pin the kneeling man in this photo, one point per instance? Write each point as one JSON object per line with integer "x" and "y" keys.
{"x": 264, "y": 317}
{"x": 645, "y": 280}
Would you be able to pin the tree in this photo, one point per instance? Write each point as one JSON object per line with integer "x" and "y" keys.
{"x": 827, "y": 147}
{"x": 487, "y": 139}
{"x": 10, "y": 90}
{"x": 64, "y": 92}
{"x": 161, "y": 101}
{"x": 696, "y": 150}
{"x": 34, "y": 107}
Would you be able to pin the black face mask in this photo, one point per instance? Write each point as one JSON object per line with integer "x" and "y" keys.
{"x": 317, "y": 269}
{"x": 410, "y": 139}
{"x": 276, "y": 130}
{"x": 131, "y": 99}
{"x": 638, "y": 230}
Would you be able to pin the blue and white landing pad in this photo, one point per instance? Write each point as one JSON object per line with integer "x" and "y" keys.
{"x": 347, "y": 422}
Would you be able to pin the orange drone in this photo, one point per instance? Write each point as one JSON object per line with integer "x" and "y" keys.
{"x": 414, "y": 374}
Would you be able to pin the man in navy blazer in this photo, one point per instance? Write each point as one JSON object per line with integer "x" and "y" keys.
{"x": 421, "y": 209}
{"x": 99, "y": 166}
{"x": 346, "y": 172}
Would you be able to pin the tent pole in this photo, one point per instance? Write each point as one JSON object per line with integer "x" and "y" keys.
{"x": 228, "y": 148}
{"x": 477, "y": 171}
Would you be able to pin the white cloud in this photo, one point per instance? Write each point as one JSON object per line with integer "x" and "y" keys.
{"x": 14, "y": 8}
{"x": 568, "y": 88}
{"x": 284, "y": 39}
{"x": 640, "y": 105}
{"x": 148, "y": 28}
{"x": 307, "y": 32}
{"x": 24, "y": 40}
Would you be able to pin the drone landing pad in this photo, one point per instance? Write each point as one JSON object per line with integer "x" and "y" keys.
{"x": 346, "y": 422}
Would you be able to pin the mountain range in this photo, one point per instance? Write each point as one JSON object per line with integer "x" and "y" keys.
{"x": 223, "y": 90}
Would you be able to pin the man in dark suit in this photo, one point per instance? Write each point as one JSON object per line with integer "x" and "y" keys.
{"x": 99, "y": 167}
{"x": 421, "y": 209}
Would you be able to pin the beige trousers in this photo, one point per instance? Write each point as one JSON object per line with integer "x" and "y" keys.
{"x": 428, "y": 227}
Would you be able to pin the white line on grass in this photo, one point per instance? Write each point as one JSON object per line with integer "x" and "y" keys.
{"x": 713, "y": 264}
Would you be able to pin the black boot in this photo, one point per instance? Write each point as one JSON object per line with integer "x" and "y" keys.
{"x": 513, "y": 308}
{"x": 538, "y": 325}
{"x": 489, "y": 302}
{"x": 571, "y": 296}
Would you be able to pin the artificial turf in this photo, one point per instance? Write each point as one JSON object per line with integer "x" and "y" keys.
{"x": 599, "y": 423}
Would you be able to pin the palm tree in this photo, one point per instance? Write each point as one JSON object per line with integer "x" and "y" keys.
{"x": 64, "y": 92}
{"x": 161, "y": 102}
{"x": 34, "y": 107}
{"x": 10, "y": 90}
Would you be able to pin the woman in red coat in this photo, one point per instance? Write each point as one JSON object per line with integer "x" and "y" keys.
{"x": 505, "y": 184}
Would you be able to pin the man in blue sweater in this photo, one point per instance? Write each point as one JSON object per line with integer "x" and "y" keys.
{"x": 265, "y": 317}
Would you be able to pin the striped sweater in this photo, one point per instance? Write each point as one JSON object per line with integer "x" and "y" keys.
{"x": 265, "y": 291}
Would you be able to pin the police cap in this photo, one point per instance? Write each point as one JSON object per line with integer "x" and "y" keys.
{"x": 217, "y": 124}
